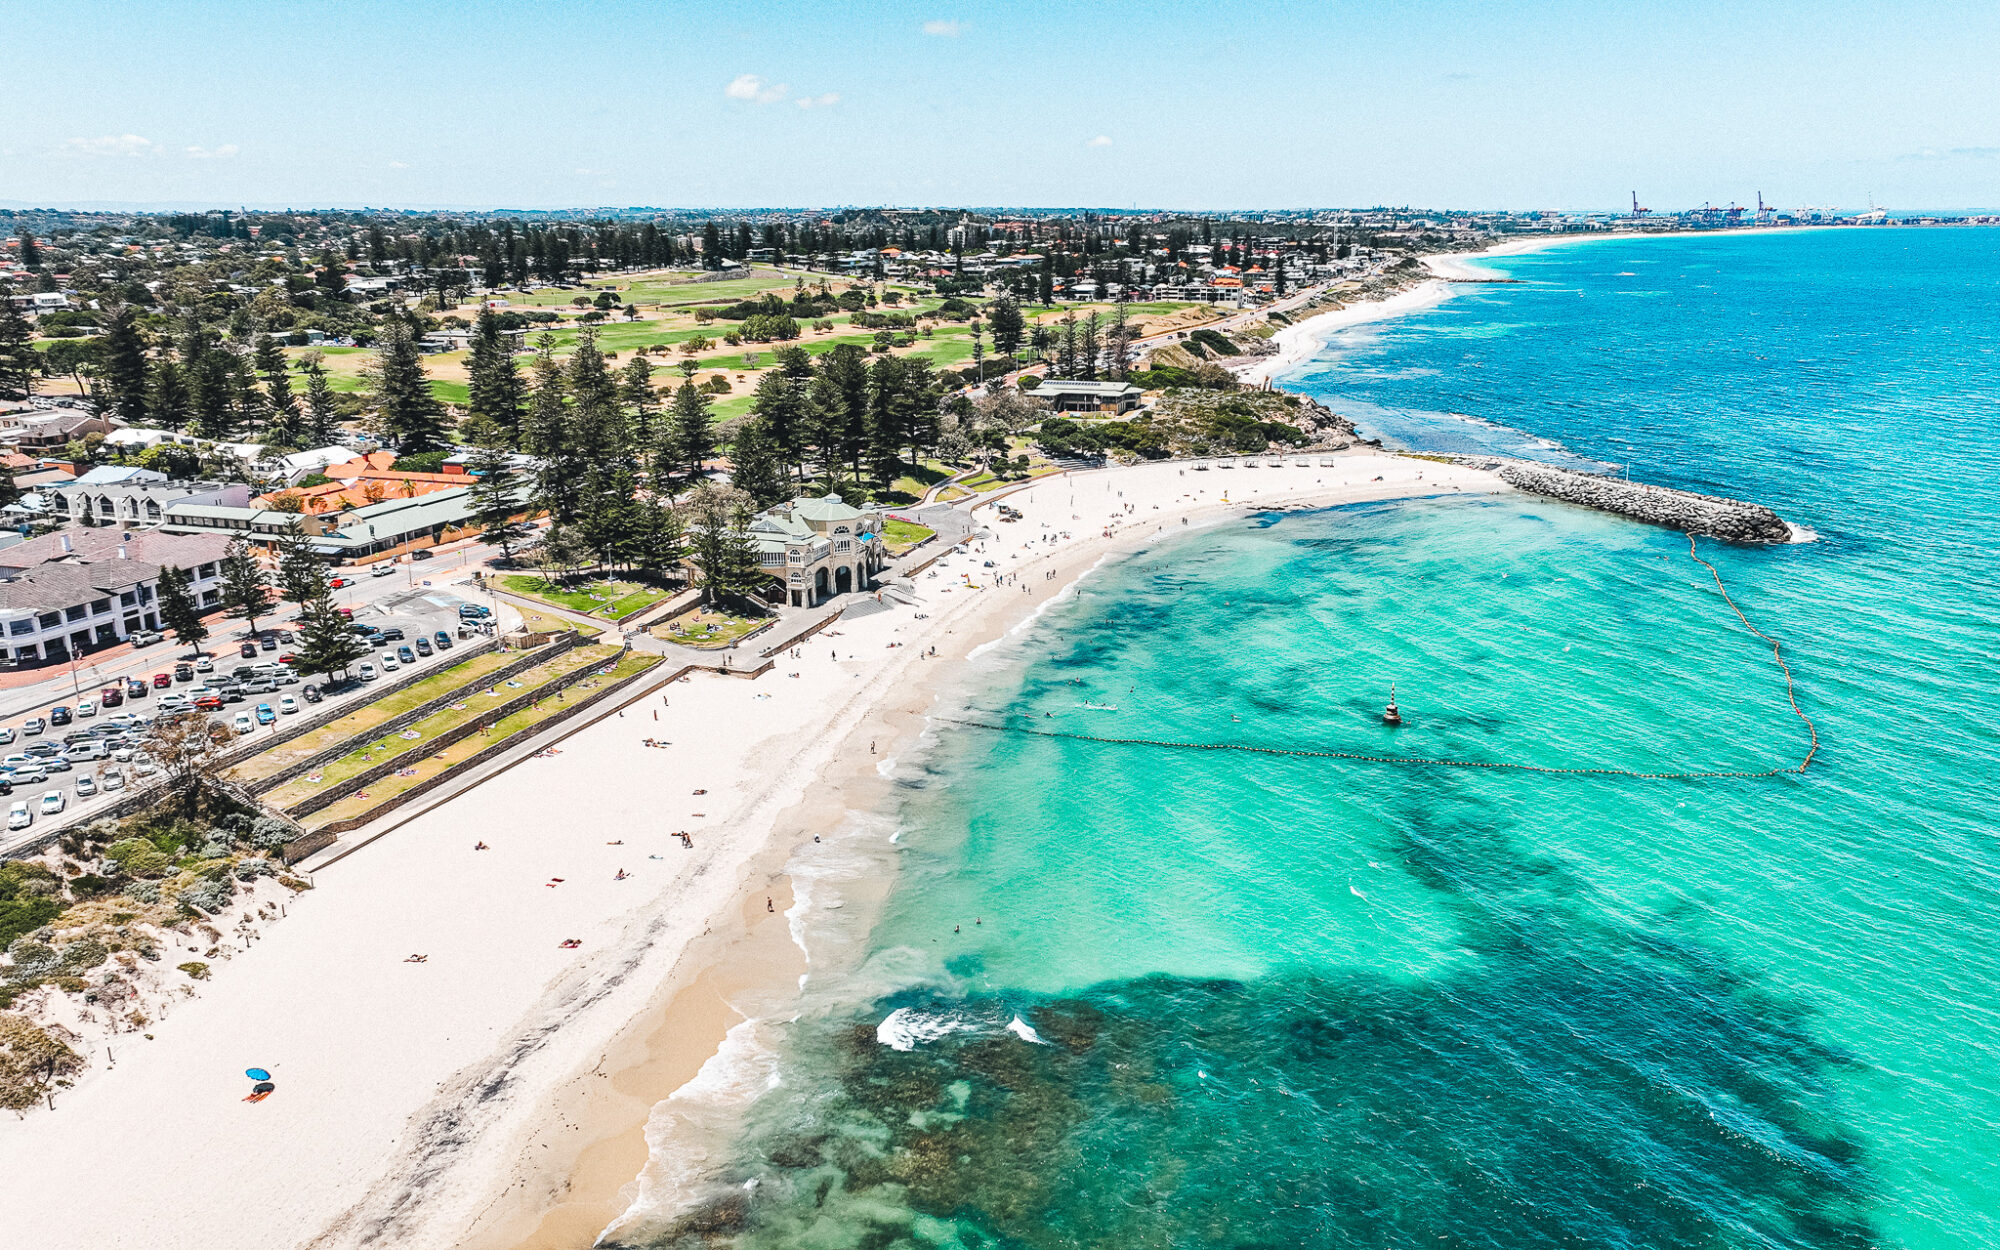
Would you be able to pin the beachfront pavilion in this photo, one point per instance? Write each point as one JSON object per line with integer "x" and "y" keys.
{"x": 818, "y": 548}
{"x": 1103, "y": 398}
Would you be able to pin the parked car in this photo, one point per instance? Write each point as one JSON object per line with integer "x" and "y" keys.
{"x": 19, "y": 817}
{"x": 265, "y": 715}
{"x": 113, "y": 779}
{"x": 335, "y": 583}
{"x": 243, "y": 723}
{"x": 473, "y": 611}
{"x": 111, "y": 696}
{"x": 56, "y": 764}
{"x": 443, "y": 640}
{"x": 348, "y": 613}
{"x": 174, "y": 705}
{"x": 204, "y": 665}
{"x": 392, "y": 634}
{"x": 33, "y": 725}
{"x": 28, "y": 775}
{"x": 268, "y": 643}
{"x": 209, "y": 703}
{"x": 384, "y": 569}
{"x": 145, "y": 637}
{"x": 59, "y": 715}
{"x": 389, "y": 664}
{"x": 86, "y": 786}
{"x": 288, "y": 705}
{"x": 139, "y": 687}
{"x": 312, "y": 694}
{"x": 285, "y": 635}
{"x": 6, "y": 735}
{"x": 366, "y": 672}
{"x": 424, "y": 646}
{"x": 53, "y": 803}
{"x": 248, "y": 650}
{"x": 41, "y": 750}
{"x": 406, "y": 655}
{"x": 86, "y": 708}
{"x": 165, "y": 681}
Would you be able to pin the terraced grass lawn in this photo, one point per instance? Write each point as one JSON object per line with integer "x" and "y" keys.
{"x": 362, "y": 720}
{"x": 608, "y": 599}
{"x": 413, "y": 740}
{"x": 900, "y": 536}
{"x": 707, "y": 628}
{"x": 522, "y": 722}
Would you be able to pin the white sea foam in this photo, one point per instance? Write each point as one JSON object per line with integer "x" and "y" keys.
{"x": 1026, "y": 1032}
{"x": 1800, "y": 534}
{"x": 906, "y": 1028}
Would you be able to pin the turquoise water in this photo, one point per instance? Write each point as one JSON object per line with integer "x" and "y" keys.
{"x": 1173, "y": 999}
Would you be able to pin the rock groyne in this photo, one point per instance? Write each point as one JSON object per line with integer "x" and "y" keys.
{"x": 1730, "y": 519}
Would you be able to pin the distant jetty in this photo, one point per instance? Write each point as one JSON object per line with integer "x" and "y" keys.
{"x": 1732, "y": 520}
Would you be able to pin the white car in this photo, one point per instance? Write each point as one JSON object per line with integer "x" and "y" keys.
{"x": 366, "y": 672}
{"x": 204, "y": 665}
{"x": 243, "y": 723}
{"x": 389, "y": 664}
{"x": 85, "y": 787}
{"x": 113, "y": 780}
{"x": 53, "y": 802}
{"x": 287, "y": 706}
{"x": 19, "y": 817}
{"x": 87, "y": 707}
{"x": 384, "y": 569}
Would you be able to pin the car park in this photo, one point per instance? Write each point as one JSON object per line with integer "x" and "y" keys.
{"x": 59, "y": 716}
{"x": 33, "y": 725}
{"x": 53, "y": 802}
{"x": 19, "y": 817}
{"x": 86, "y": 787}
{"x": 243, "y": 723}
{"x": 288, "y": 705}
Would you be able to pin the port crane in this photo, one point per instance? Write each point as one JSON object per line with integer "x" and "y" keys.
{"x": 1638, "y": 212}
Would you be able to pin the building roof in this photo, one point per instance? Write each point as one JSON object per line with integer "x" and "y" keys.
{"x": 51, "y": 586}
{"x": 299, "y": 463}
{"x": 118, "y": 475}
{"x": 91, "y": 545}
{"x": 1105, "y": 390}
{"x": 827, "y": 508}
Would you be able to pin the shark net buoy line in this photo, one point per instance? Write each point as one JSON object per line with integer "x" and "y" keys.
{"x": 1777, "y": 654}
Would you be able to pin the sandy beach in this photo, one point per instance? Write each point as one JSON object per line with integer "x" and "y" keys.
{"x": 496, "y": 1093}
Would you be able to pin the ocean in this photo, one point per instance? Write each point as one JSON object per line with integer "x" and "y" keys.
{"x": 1120, "y": 995}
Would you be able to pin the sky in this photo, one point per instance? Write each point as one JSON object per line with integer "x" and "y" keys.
{"x": 1200, "y": 106}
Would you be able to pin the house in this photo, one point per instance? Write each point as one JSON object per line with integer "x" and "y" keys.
{"x": 817, "y": 548}
{"x": 1107, "y": 398}
{"x": 69, "y": 593}
{"x": 45, "y": 430}
{"x": 33, "y": 471}
{"x": 303, "y": 464}
{"x": 140, "y": 500}
{"x": 360, "y": 535}
{"x": 40, "y": 302}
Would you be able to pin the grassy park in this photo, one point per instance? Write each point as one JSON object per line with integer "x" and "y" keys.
{"x": 707, "y": 628}
{"x": 901, "y": 536}
{"x": 525, "y": 721}
{"x": 608, "y": 598}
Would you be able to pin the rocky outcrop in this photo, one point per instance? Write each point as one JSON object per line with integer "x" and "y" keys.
{"x": 1729, "y": 519}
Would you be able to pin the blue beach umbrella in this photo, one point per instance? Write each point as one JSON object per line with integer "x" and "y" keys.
{"x": 257, "y": 1074}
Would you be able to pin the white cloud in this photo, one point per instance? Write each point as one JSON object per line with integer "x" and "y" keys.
{"x": 222, "y": 153}
{"x": 751, "y": 87}
{"x": 1101, "y": 141}
{"x": 826, "y": 101}
{"x": 399, "y": 164}
{"x": 944, "y": 30}
{"x": 111, "y": 145}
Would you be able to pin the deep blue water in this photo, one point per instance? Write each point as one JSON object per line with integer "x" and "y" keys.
{"x": 1264, "y": 1001}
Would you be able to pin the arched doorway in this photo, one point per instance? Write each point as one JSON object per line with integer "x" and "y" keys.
{"x": 819, "y": 585}
{"x": 843, "y": 579}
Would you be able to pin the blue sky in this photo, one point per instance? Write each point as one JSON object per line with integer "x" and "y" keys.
{"x": 564, "y": 103}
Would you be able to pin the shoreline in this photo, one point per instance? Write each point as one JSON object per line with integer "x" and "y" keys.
{"x": 497, "y": 1094}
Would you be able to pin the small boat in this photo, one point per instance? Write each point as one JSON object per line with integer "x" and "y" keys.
{"x": 1390, "y": 716}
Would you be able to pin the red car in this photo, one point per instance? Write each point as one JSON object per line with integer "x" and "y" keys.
{"x": 209, "y": 703}
{"x": 288, "y": 658}
{"x": 111, "y": 696}
{"x": 162, "y": 680}
{"x": 337, "y": 583}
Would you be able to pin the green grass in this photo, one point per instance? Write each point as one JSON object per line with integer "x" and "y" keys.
{"x": 513, "y": 726}
{"x": 612, "y": 600}
{"x": 707, "y": 629}
{"x": 360, "y": 722}
{"x": 900, "y": 536}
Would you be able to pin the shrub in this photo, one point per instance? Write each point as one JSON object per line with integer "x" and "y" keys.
{"x": 195, "y": 969}
{"x": 207, "y": 895}
{"x": 30, "y": 1058}
{"x": 1029, "y": 381}
{"x": 83, "y": 955}
{"x": 136, "y": 857}
{"x": 269, "y": 833}
{"x": 32, "y": 960}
